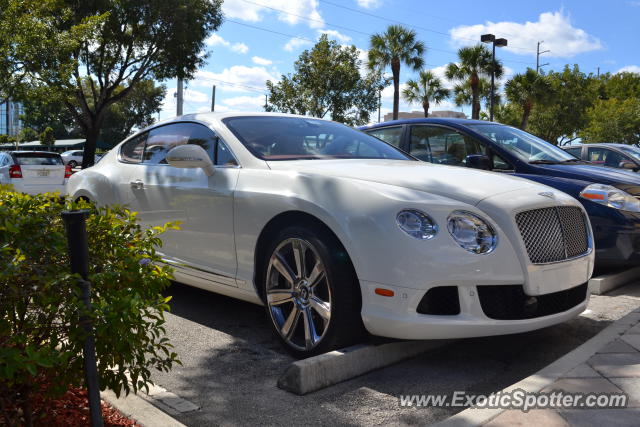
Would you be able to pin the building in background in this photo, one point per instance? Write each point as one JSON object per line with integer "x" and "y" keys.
{"x": 10, "y": 112}
{"x": 420, "y": 115}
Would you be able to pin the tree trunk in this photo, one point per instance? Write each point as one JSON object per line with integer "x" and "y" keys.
{"x": 89, "y": 154}
{"x": 395, "y": 70}
{"x": 475, "y": 98}
{"x": 425, "y": 107}
{"x": 526, "y": 111}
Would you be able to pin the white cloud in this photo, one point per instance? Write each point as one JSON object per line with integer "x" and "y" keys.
{"x": 255, "y": 77}
{"x": 295, "y": 43}
{"x": 191, "y": 95}
{"x": 336, "y": 35}
{"x": 370, "y": 4}
{"x": 554, "y": 28}
{"x": 216, "y": 40}
{"x": 240, "y": 48}
{"x": 629, "y": 69}
{"x": 292, "y": 13}
{"x": 261, "y": 61}
{"x": 245, "y": 103}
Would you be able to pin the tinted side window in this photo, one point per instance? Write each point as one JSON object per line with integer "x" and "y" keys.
{"x": 390, "y": 135}
{"x": 575, "y": 151}
{"x": 605, "y": 157}
{"x": 164, "y": 138}
{"x": 444, "y": 146}
{"x": 223, "y": 155}
{"x": 131, "y": 151}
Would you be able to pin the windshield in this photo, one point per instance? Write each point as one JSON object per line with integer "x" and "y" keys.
{"x": 37, "y": 159}
{"x": 295, "y": 138}
{"x": 633, "y": 152}
{"x": 523, "y": 145}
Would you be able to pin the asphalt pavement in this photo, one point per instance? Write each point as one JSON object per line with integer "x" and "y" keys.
{"x": 232, "y": 361}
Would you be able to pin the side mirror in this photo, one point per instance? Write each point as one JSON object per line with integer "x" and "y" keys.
{"x": 478, "y": 161}
{"x": 625, "y": 164}
{"x": 190, "y": 156}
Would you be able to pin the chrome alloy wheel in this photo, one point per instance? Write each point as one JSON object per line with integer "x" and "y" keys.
{"x": 298, "y": 294}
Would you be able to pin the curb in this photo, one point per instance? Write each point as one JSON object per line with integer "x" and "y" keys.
{"x": 547, "y": 375}
{"x": 137, "y": 408}
{"x": 315, "y": 373}
{"x": 607, "y": 282}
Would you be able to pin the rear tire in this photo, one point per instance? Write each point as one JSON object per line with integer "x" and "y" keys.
{"x": 311, "y": 292}
{"x": 72, "y": 163}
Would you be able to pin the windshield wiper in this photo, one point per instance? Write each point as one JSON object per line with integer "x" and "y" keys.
{"x": 543, "y": 162}
{"x": 573, "y": 160}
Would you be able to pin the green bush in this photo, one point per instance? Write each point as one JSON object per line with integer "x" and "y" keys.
{"x": 40, "y": 338}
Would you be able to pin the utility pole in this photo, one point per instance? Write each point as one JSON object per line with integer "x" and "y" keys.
{"x": 213, "y": 98}
{"x": 598, "y": 71}
{"x": 379, "y": 103}
{"x": 538, "y": 53}
{"x": 180, "y": 98}
{"x": 266, "y": 102}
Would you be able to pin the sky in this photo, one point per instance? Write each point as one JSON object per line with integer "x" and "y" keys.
{"x": 261, "y": 39}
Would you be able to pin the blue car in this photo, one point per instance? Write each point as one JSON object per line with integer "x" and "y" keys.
{"x": 610, "y": 196}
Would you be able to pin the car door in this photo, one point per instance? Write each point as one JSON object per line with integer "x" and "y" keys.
{"x": 442, "y": 145}
{"x": 203, "y": 205}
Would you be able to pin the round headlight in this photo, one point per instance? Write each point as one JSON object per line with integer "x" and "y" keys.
{"x": 416, "y": 224}
{"x": 471, "y": 232}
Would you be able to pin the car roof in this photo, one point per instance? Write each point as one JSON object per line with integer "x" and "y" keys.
{"x": 213, "y": 117}
{"x": 608, "y": 144}
{"x": 31, "y": 152}
{"x": 441, "y": 121}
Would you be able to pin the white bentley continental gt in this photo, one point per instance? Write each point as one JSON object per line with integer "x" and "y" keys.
{"x": 336, "y": 232}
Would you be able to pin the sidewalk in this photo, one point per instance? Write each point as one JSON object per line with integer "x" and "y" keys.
{"x": 608, "y": 363}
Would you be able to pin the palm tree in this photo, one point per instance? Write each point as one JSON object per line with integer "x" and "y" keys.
{"x": 463, "y": 95}
{"x": 395, "y": 46}
{"x": 527, "y": 90}
{"x": 427, "y": 88}
{"x": 475, "y": 62}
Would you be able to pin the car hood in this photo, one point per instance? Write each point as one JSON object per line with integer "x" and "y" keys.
{"x": 623, "y": 179}
{"x": 463, "y": 184}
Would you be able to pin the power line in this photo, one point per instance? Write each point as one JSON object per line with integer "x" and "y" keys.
{"x": 410, "y": 25}
{"x": 313, "y": 41}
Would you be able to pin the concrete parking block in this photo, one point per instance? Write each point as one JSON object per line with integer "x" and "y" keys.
{"x": 602, "y": 417}
{"x": 315, "y": 373}
{"x": 618, "y": 346}
{"x": 583, "y": 385}
{"x": 582, "y": 371}
{"x": 607, "y": 282}
{"x": 535, "y": 417}
{"x": 631, "y": 386}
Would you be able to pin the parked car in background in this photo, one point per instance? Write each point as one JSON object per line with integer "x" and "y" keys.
{"x": 610, "y": 196}
{"x": 34, "y": 172}
{"x": 333, "y": 230}
{"x": 620, "y": 156}
{"x": 73, "y": 158}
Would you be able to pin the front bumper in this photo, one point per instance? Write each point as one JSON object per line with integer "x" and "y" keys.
{"x": 400, "y": 318}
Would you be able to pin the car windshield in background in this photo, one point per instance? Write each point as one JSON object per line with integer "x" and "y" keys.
{"x": 29, "y": 159}
{"x": 632, "y": 152}
{"x": 295, "y": 138}
{"x": 523, "y": 145}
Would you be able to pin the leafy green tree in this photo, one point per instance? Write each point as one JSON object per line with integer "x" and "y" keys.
{"x": 426, "y": 89}
{"x": 613, "y": 120}
{"x": 397, "y": 45}
{"x": 572, "y": 93}
{"x": 117, "y": 43}
{"x": 474, "y": 63}
{"x": 527, "y": 90}
{"x": 47, "y": 137}
{"x": 463, "y": 93}
{"x": 27, "y": 134}
{"x": 327, "y": 80}
{"x": 622, "y": 85}
{"x": 508, "y": 114}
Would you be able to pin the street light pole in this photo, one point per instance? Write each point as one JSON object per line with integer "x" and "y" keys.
{"x": 490, "y": 38}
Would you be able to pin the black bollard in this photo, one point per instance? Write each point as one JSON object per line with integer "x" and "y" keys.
{"x": 75, "y": 224}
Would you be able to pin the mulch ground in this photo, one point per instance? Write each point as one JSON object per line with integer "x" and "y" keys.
{"x": 72, "y": 409}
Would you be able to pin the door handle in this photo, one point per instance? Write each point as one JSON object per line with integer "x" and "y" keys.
{"x": 137, "y": 185}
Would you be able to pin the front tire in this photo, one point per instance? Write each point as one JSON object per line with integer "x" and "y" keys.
{"x": 311, "y": 292}
{"x": 72, "y": 163}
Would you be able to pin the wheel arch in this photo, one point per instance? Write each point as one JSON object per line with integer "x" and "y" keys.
{"x": 284, "y": 219}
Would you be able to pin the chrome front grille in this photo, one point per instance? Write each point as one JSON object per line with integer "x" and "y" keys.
{"x": 554, "y": 234}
